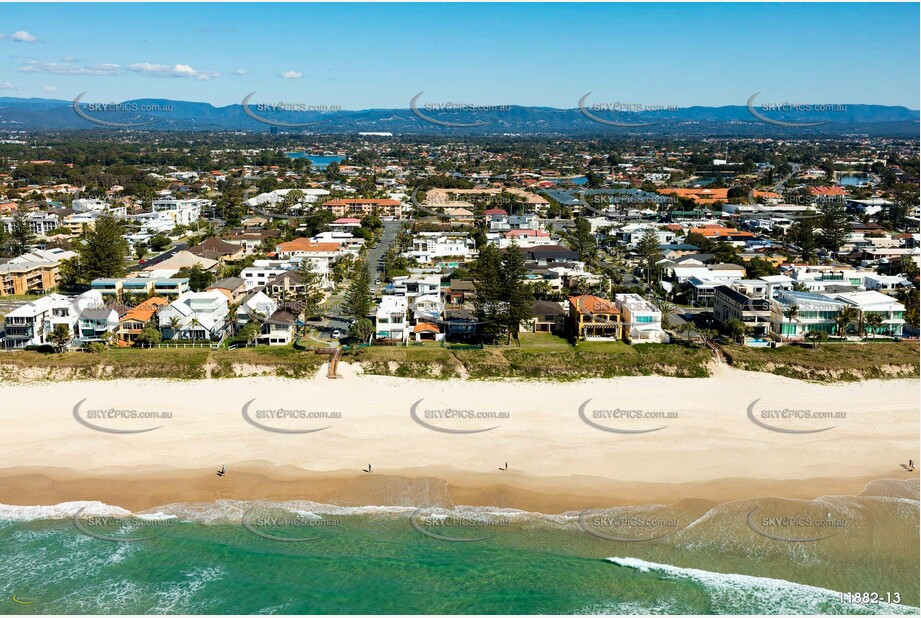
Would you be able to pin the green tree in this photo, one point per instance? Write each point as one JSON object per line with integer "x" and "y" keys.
{"x": 758, "y": 267}
{"x": 21, "y": 235}
{"x": 149, "y": 337}
{"x": 791, "y": 313}
{"x": 846, "y": 317}
{"x": 873, "y": 322}
{"x": 199, "y": 279}
{"x": 140, "y": 250}
{"x": 816, "y": 337}
{"x": 804, "y": 236}
{"x": 59, "y": 337}
{"x": 835, "y": 227}
{"x": 69, "y": 271}
{"x": 361, "y": 330}
{"x": 580, "y": 239}
{"x": 312, "y": 296}
{"x": 735, "y": 328}
{"x": 159, "y": 242}
{"x": 648, "y": 248}
{"x": 104, "y": 251}
{"x": 249, "y": 333}
{"x": 516, "y": 297}
{"x": 358, "y": 302}
{"x": 665, "y": 308}
{"x": 487, "y": 273}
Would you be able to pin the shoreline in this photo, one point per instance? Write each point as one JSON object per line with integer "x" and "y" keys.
{"x": 139, "y": 491}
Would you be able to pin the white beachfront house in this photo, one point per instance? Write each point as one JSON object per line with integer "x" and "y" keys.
{"x": 255, "y": 307}
{"x": 390, "y": 318}
{"x": 195, "y": 315}
{"x": 33, "y": 323}
{"x": 642, "y": 321}
{"x": 814, "y": 312}
{"x": 891, "y": 310}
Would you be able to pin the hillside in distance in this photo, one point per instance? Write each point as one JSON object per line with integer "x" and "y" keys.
{"x": 19, "y": 114}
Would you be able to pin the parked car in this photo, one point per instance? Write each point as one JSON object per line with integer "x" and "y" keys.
{"x": 337, "y": 334}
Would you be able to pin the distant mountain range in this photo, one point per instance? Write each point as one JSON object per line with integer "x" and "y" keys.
{"x": 732, "y": 120}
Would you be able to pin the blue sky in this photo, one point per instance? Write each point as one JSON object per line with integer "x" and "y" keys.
{"x": 360, "y": 56}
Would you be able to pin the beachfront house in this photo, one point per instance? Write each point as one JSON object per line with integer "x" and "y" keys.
{"x": 278, "y": 328}
{"x": 813, "y": 312}
{"x": 136, "y": 319}
{"x": 642, "y": 320}
{"x": 32, "y": 323}
{"x": 195, "y": 315}
{"x": 549, "y": 317}
{"x": 257, "y": 307}
{"x": 94, "y": 324}
{"x": 592, "y": 318}
{"x": 891, "y": 311}
{"x": 750, "y": 308}
{"x": 390, "y": 318}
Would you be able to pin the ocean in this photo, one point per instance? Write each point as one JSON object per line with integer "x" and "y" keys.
{"x": 298, "y": 557}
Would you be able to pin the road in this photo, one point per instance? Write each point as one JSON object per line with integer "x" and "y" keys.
{"x": 778, "y": 188}
{"x": 388, "y": 236}
{"x": 160, "y": 258}
{"x": 334, "y": 314}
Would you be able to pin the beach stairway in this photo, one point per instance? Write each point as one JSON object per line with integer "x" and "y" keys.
{"x": 333, "y": 354}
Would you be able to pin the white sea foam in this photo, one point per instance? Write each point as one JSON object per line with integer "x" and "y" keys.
{"x": 735, "y": 593}
{"x": 64, "y": 510}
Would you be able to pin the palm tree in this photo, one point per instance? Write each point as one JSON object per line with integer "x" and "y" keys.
{"x": 816, "y": 337}
{"x": 666, "y": 308}
{"x": 173, "y": 327}
{"x": 791, "y": 313}
{"x": 845, "y": 318}
{"x": 873, "y": 322}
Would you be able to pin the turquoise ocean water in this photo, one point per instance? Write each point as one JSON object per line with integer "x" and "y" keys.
{"x": 202, "y": 559}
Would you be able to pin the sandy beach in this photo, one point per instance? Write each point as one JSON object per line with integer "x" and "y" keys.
{"x": 596, "y": 443}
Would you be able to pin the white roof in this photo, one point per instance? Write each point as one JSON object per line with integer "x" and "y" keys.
{"x": 870, "y": 299}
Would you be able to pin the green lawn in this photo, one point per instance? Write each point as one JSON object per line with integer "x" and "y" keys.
{"x": 831, "y": 362}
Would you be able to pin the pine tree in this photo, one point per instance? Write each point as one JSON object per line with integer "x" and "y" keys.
{"x": 104, "y": 252}
{"x": 581, "y": 240}
{"x": 516, "y": 294}
{"x": 358, "y": 300}
{"x": 487, "y": 273}
{"x": 835, "y": 227}
{"x": 648, "y": 248}
{"x": 21, "y": 235}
